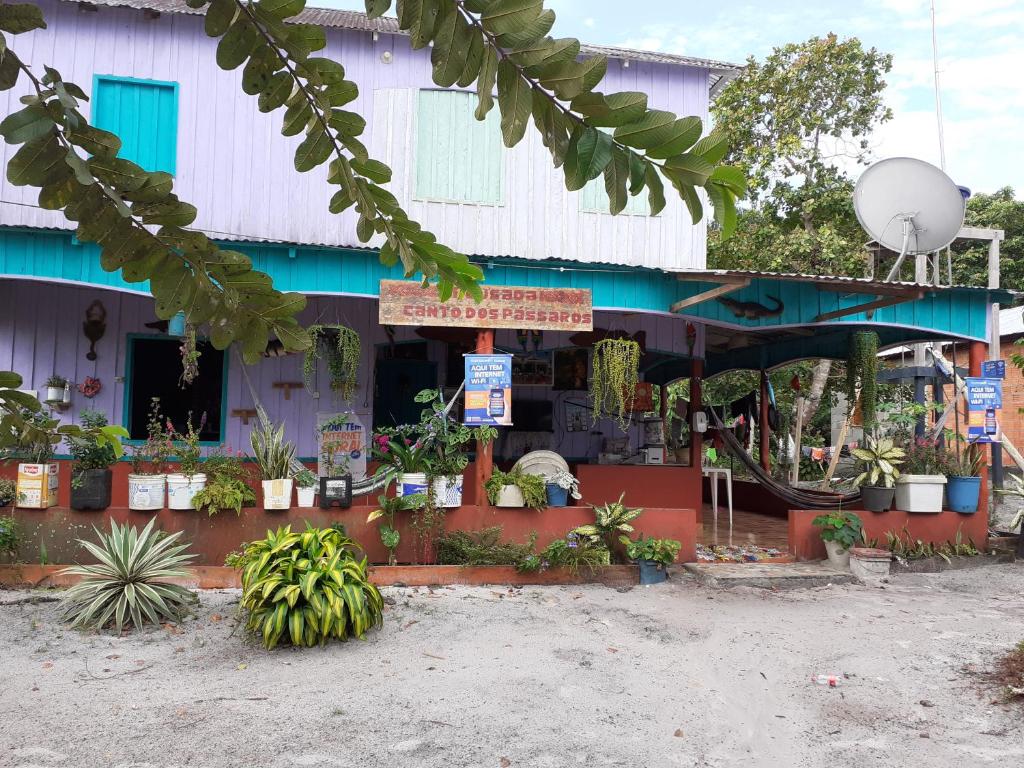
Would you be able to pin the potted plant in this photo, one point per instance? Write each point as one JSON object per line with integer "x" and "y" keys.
{"x": 305, "y": 487}
{"x": 919, "y": 487}
{"x": 612, "y": 522}
{"x": 273, "y": 455}
{"x": 227, "y": 484}
{"x": 90, "y": 473}
{"x": 147, "y": 482}
{"x": 183, "y": 485}
{"x": 879, "y": 460}
{"x": 560, "y": 486}
{"x": 516, "y": 489}
{"x": 389, "y": 507}
{"x": 36, "y": 486}
{"x": 56, "y": 389}
{"x": 653, "y": 556}
{"x": 840, "y": 531}
{"x": 614, "y": 376}
{"x": 963, "y": 476}
{"x": 336, "y": 480}
{"x": 8, "y": 492}
{"x": 341, "y": 348}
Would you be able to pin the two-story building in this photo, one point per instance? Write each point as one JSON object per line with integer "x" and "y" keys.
{"x": 151, "y": 73}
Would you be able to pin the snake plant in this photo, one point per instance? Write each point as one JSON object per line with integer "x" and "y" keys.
{"x": 129, "y": 583}
{"x": 306, "y": 588}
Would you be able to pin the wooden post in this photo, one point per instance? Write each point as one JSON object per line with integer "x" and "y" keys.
{"x": 696, "y": 438}
{"x": 978, "y": 352}
{"x": 766, "y": 456}
{"x": 795, "y": 473}
{"x": 484, "y": 451}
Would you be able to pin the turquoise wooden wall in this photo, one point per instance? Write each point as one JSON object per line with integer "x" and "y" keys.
{"x": 144, "y": 114}
{"x": 960, "y": 313}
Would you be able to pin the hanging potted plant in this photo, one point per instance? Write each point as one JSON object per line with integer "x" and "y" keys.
{"x": 862, "y": 375}
{"x": 340, "y": 347}
{"x": 653, "y": 556}
{"x": 614, "y": 378}
{"x": 90, "y": 473}
{"x": 147, "y": 482}
{"x": 560, "y": 486}
{"x": 920, "y": 486}
{"x": 963, "y": 475}
{"x": 188, "y": 480}
{"x": 57, "y": 391}
{"x": 305, "y": 487}
{"x": 840, "y": 531}
{"x": 879, "y": 460}
{"x": 273, "y": 456}
{"x": 516, "y": 489}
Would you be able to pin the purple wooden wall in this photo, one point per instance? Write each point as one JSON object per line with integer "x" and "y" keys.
{"x": 234, "y": 165}
{"x": 41, "y": 334}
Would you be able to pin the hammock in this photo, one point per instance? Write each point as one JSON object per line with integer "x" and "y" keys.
{"x": 797, "y": 498}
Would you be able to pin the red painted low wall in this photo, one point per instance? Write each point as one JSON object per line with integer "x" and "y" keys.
{"x": 805, "y": 539}
{"x": 644, "y": 485}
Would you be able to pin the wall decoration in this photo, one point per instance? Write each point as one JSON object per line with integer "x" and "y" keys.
{"x": 90, "y": 387}
{"x": 95, "y": 326}
{"x": 532, "y": 370}
{"x": 571, "y": 369}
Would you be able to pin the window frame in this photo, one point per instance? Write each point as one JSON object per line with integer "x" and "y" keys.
{"x": 172, "y": 84}
{"x": 126, "y": 408}
{"x": 420, "y": 198}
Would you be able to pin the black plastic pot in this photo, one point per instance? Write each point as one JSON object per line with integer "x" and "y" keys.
{"x": 877, "y": 498}
{"x": 90, "y": 489}
{"x": 652, "y": 572}
{"x": 336, "y": 491}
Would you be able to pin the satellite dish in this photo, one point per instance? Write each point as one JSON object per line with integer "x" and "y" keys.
{"x": 908, "y": 206}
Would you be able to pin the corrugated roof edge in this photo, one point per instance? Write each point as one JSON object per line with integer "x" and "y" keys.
{"x": 330, "y": 17}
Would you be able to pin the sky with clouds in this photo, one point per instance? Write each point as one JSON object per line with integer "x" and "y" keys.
{"x": 981, "y": 62}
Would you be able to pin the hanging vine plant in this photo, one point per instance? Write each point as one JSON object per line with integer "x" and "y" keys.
{"x": 862, "y": 373}
{"x": 613, "y": 381}
{"x": 339, "y": 346}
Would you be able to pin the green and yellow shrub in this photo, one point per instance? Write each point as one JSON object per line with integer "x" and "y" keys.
{"x": 306, "y": 588}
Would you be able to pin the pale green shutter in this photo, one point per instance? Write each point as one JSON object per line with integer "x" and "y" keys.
{"x": 458, "y": 158}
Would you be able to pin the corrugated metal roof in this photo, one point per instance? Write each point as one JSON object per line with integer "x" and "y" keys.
{"x": 330, "y": 17}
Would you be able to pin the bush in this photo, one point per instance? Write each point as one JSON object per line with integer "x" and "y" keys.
{"x": 10, "y": 536}
{"x": 128, "y": 585}
{"x": 227, "y": 484}
{"x": 8, "y": 491}
{"x": 572, "y": 552}
{"x": 306, "y": 588}
{"x": 482, "y": 548}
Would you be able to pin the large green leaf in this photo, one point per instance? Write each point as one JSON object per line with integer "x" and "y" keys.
{"x": 590, "y": 150}
{"x": 569, "y": 79}
{"x": 683, "y": 133}
{"x": 652, "y": 130}
{"x": 375, "y": 8}
{"x": 610, "y": 110}
{"x": 451, "y": 48}
{"x": 219, "y": 16}
{"x": 485, "y": 83}
{"x": 275, "y": 94}
{"x": 514, "y": 101}
{"x": 505, "y": 16}
{"x": 314, "y": 150}
{"x": 616, "y": 177}
{"x": 121, "y": 174}
{"x": 94, "y": 141}
{"x": 689, "y": 168}
{"x": 422, "y": 16}
{"x": 655, "y": 190}
{"x": 26, "y": 124}
{"x": 37, "y": 162}
{"x": 22, "y": 17}
{"x": 238, "y": 43}
{"x": 283, "y": 9}
{"x": 528, "y": 34}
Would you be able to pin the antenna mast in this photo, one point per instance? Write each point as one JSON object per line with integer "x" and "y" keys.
{"x": 938, "y": 94}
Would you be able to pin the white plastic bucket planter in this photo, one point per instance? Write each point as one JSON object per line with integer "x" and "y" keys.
{"x": 54, "y": 394}
{"x": 277, "y": 494}
{"x": 920, "y": 493}
{"x": 181, "y": 489}
{"x": 448, "y": 491}
{"x": 838, "y": 557}
{"x": 307, "y": 496}
{"x": 510, "y": 496}
{"x": 411, "y": 483}
{"x": 146, "y": 492}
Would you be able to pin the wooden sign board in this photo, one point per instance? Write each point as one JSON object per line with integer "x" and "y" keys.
{"x": 405, "y": 302}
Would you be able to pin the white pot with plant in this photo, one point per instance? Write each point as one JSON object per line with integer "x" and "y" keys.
{"x": 58, "y": 392}
{"x": 305, "y": 488}
{"x": 273, "y": 456}
{"x": 147, "y": 483}
{"x": 183, "y": 485}
{"x": 878, "y": 460}
{"x": 920, "y": 486}
{"x": 516, "y": 489}
{"x": 840, "y": 531}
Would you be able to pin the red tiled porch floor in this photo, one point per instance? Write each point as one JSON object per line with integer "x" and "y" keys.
{"x": 748, "y": 528}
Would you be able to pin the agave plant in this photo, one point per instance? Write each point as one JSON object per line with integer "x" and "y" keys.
{"x": 611, "y": 523}
{"x": 129, "y": 583}
{"x": 880, "y": 459}
{"x": 307, "y": 588}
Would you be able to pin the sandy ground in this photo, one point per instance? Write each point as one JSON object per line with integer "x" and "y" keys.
{"x": 673, "y": 675}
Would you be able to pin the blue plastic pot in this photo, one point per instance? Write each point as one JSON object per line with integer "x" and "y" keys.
{"x": 963, "y": 493}
{"x": 651, "y": 572}
{"x": 557, "y": 495}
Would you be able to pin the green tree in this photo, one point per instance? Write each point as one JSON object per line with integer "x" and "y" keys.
{"x": 503, "y": 45}
{"x": 789, "y": 120}
{"x": 1000, "y": 210}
